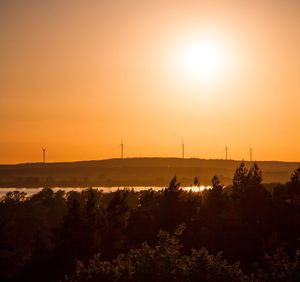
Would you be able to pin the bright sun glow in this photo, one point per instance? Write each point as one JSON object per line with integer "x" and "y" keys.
{"x": 203, "y": 60}
{"x": 197, "y": 188}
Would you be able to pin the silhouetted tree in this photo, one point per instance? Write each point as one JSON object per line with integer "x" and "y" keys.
{"x": 169, "y": 211}
{"x": 240, "y": 180}
{"x": 143, "y": 219}
{"x": 196, "y": 181}
{"x": 69, "y": 240}
{"x": 117, "y": 216}
{"x": 293, "y": 187}
{"x": 14, "y": 197}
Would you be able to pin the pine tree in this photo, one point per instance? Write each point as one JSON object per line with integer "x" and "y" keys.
{"x": 240, "y": 180}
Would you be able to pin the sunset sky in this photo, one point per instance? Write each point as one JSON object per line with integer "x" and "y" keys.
{"x": 78, "y": 76}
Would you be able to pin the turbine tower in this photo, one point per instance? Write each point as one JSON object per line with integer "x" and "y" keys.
{"x": 251, "y": 151}
{"x": 44, "y": 154}
{"x": 226, "y": 153}
{"x": 122, "y": 149}
{"x": 182, "y": 148}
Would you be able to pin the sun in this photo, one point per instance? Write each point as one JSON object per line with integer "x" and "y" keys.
{"x": 202, "y": 60}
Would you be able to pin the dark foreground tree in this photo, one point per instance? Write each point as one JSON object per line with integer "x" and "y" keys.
{"x": 163, "y": 262}
{"x": 166, "y": 262}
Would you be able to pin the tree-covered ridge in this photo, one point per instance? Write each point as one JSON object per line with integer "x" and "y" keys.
{"x": 167, "y": 235}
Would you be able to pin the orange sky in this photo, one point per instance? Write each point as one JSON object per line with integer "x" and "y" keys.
{"x": 77, "y": 76}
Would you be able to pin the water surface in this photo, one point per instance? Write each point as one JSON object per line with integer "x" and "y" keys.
{"x": 31, "y": 191}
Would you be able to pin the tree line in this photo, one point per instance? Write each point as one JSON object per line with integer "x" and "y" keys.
{"x": 243, "y": 232}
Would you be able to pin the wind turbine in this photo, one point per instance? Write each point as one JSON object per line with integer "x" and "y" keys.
{"x": 226, "y": 152}
{"x": 182, "y": 148}
{"x": 251, "y": 152}
{"x": 44, "y": 154}
{"x": 122, "y": 149}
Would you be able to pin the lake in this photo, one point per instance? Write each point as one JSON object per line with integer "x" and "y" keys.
{"x": 31, "y": 191}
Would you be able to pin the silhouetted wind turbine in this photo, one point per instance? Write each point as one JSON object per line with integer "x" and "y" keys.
{"x": 226, "y": 152}
{"x": 122, "y": 149}
{"x": 251, "y": 151}
{"x": 44, "y": 154}
{"x": 182, "y": 148}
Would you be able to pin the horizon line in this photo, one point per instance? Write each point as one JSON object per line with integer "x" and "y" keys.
{"x": 130, "y": 158}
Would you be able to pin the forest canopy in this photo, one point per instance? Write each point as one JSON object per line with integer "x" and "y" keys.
{"x": 241, "y": 232}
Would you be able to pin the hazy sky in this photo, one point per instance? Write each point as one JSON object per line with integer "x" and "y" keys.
{"x": 77, "y": 76}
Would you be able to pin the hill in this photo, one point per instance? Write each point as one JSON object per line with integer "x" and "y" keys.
{"x": 133, "y": 172}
